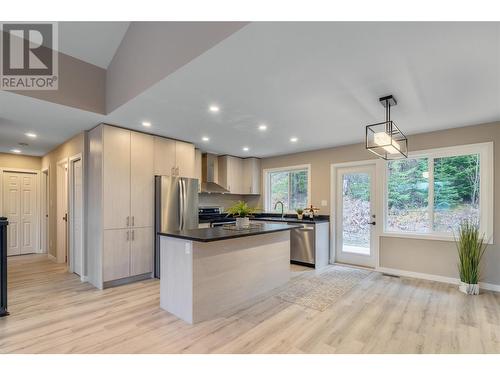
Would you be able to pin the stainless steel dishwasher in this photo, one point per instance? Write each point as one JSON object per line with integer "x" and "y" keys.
{"x": 302, "y": 244}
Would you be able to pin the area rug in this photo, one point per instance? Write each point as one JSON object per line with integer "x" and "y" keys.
{"x": 320, "y": 291}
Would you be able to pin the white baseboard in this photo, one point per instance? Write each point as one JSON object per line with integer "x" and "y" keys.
{"x": 430, "y": 277}
{"x": 52, "y": 258}
{"x": 84, "y": 279}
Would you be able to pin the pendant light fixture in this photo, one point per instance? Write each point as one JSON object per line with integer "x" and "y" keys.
{"x": 385, "y": 139}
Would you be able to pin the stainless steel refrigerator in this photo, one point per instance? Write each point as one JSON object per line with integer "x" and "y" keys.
{"x": 176, "y": 207}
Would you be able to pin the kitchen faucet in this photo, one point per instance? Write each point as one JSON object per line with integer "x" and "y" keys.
{"x": 282, "y": 208}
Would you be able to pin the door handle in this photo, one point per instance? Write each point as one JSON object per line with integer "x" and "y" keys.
{"x": 373, "y": 223}
{"x": 65, "y": 217}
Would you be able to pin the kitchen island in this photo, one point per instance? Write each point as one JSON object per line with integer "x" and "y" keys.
{"x": 207, "y": 271}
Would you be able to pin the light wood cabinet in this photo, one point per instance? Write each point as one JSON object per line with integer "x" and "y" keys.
{"x": 251, "y": 176}
{"x": 116, "y": 177}
{"x": 174, "y": 158}
{"x": 141, "y": 258}
{"x": 121, "y": 209}
{"x": 141, "y": 180}
{"x": 239, "y": 176}
{"x": 185, "y": 159}
{"x": 164, "y": 156}
{"x": 116, "y": 254}
{"x": 231, "y": 173}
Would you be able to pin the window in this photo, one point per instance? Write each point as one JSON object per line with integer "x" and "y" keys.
{"x": 288, "y": 185}
{"x": 431, "y": 193}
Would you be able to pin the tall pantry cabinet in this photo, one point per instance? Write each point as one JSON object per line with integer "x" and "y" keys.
{"x": 120, "y": 205}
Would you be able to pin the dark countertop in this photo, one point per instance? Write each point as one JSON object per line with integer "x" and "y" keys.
{"x": 272, "y": 217}
{"x": 221, "y": 233}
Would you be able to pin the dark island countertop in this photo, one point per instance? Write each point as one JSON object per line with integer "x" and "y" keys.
{"x": 224, "y": 233}
{"x": 270, "y": 217}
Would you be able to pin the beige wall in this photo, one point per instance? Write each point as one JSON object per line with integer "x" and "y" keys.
{"x": 69, "y": 148}
{"x": 424, "y": 256}
{"x": 20, "y": 161}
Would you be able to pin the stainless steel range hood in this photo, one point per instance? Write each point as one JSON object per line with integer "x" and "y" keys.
{"x": 209, "y": 173}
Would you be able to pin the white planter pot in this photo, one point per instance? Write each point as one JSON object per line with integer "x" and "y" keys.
{"x": 300, "y": 216}
{"x": 242, "y": 222}
{"x": 472, "y": 289}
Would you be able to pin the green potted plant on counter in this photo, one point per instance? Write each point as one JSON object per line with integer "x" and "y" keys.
{"x": 300, "y": 213}
{"x": 471, "y": 247}
{"x": 242, "y": 212}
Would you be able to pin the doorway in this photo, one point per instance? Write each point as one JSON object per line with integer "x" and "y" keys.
{"x": 62, "y": 211}
{"x": 356, "y": 240}
{"x": 20, "y": 206}
{"x": 76, "y": 215}
{"x": 45, "y": 187}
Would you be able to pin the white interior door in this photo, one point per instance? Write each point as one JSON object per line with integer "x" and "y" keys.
{"x": 76, "y": 232}
{"x": 20, "y": 208}
{"x": 355, "y": 235}
{"x": 62, "y": 212}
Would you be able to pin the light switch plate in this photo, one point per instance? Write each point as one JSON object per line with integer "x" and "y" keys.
{"x": 324, "y": 203}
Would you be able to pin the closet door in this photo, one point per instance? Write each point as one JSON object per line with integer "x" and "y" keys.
{"x": 116, "y": 254}
{"x": 12, "y": 210}
{"x": 141, "y": 251}
{"x": 141, "y": 180}
{"x": 116, "y": 178}
{"x": 29, "y": 216}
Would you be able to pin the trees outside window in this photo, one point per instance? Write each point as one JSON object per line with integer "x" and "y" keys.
{"x": 289, "y": 187}
{"x": 432, "y": 194}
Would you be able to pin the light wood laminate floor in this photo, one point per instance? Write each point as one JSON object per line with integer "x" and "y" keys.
{"x": 53, "y": 312}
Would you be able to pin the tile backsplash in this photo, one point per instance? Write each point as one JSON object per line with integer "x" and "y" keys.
{"x": 226, "y": 200}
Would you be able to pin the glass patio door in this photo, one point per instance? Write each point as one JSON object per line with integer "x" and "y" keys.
{"x": 355, "y": 216}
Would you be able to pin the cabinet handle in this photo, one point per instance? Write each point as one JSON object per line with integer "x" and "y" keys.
{"x": 128, "y": 234}
{"x": 133, "y": 220}
{"x": 128, "y": 221}
{"x": 133, "y": 235}
{"x": 177, "y": 171}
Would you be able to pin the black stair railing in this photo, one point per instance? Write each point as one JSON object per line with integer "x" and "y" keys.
{"x": 3, "y": 266}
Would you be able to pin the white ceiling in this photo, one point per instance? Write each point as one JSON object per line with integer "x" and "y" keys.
{"x": 319, "y": 82}
{"x": 93, "y": 42}
{"x": 53, "y": 123}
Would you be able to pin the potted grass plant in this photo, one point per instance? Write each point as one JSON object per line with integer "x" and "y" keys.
{"x": 242, "y": 212}
{"x": 300, "y": 213}
{"x": 471, "y": 246}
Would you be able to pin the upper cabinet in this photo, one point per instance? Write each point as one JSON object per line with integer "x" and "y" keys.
{"x": 164, "y": 156}
{"x": 116, "y": 177}
{"x": 251, "y": 176}
{"x": 239, "y": 176}
{"x": 185, "y": 159}
{"x": 174, "y": 158}
{"x": 141, "y": 179}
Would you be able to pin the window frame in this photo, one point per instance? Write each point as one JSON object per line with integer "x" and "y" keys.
{"x": 486, "y": 188}
{"x": 267, "y": 181}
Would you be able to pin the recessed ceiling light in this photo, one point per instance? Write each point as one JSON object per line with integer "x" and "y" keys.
{"x": 31, "y": 135}
{"x": 147, "y": 124}
{"x": 262, "y": 127}
{"x": 245, "y": 148}
{"x": 294, "y": 139}
{"x": 205, "y": 139}
{"x": 16, "y": 151}
{"x": 214, "y": 108}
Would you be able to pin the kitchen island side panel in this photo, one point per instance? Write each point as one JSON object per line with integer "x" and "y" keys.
{"x": 231, "y": 272}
